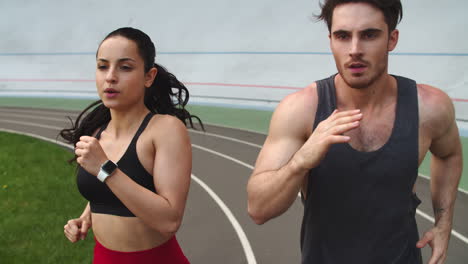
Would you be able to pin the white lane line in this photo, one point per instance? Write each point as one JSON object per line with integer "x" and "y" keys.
{"x": 233, "y": 140}
{"x": 431, "y": 219}
{"x": 59, "y": 112}
{"x": 455, "y": 233}
{"x": 225, "y": 137}
{"x": 429, "y": 179}
{"x": 76, "y": 112}
{"x": 235, "y": 224}
{"x": 36, "y": 117}
{"x": 235, "y": 128}
{"x": 237, "y": 227}
{"x": 424, "y": 176}
{"x": 193, "y": 145}
{"x": 190, "y": 130}
{"x": 223, "y": 156}
{"x": 424, "y": 215}
{"x": 38, "y": 137}
{"x": 31, "y": 124}
{"x": 259, "y": 146}
{"x": 198, "y": 132}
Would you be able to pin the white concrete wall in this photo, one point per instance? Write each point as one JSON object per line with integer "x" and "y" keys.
{"x": 47, "y": 47}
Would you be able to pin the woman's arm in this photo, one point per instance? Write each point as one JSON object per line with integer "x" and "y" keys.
{"x": 77, "y": 229}
{"x": 171, "y": 173}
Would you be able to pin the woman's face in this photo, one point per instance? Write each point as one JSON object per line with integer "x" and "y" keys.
{"x": 120, "y": 76}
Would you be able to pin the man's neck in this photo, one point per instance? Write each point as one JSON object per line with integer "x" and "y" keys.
{"x": 375, "y": 95}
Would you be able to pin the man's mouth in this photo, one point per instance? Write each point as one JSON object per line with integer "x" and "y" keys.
{"x": 357, "y": 67}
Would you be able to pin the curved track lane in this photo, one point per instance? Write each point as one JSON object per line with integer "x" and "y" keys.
{"x": 216, "y": 227}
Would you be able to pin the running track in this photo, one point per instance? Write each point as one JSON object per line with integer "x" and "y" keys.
{"x": 216, "y": 227}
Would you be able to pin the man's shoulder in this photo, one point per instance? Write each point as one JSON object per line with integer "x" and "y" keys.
{"x": 435, "y": 107}
{"x": 433, "y": 98}
{"x": 295, "y": 114}
{"x": 428, "y": 94}
{"x": 304, "y": 99}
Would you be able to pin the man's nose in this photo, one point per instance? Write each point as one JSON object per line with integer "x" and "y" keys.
{"x": 356, "y": 49}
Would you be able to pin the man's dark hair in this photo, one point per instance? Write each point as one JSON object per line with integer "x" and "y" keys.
{"x": 392, "y": 10}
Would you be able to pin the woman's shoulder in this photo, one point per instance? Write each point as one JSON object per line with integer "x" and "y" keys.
{"x": 162, "y": 120}
{"x": 166, "y": 125}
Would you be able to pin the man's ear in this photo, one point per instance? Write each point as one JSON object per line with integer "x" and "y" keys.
{"x": 393, "y": 39}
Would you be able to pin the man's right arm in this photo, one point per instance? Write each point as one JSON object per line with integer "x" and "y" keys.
{"x": 291, "y": 150}
{"x": 276, "y": 180}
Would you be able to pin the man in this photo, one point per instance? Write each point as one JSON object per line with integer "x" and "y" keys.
{"x": 352, "y": 145}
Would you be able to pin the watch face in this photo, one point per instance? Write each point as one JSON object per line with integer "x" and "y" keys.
{"x": 109, "y": 167}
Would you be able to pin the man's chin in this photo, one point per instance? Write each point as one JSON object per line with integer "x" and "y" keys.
{"x": 357, "y": 82}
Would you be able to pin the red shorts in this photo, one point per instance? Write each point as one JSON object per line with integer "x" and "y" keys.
{"x": 169, "y": 252}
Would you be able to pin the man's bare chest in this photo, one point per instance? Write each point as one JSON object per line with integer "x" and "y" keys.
{"x": 372, "y": 133}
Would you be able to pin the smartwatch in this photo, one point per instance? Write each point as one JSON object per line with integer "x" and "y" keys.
{"x": 107, "y": 168}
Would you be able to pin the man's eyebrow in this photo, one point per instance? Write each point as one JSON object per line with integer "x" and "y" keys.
{"x": 371, "y": 30}
{"x": 340, "y": 31}
{"x": 365, "y": 31}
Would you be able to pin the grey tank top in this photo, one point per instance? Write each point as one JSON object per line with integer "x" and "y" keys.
{"x": 360, "y": 207}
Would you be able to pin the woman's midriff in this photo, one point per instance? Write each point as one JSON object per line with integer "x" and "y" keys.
{"x": 126, "y": 234}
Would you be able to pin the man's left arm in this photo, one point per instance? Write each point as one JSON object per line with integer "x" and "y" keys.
{"x": 446, "y": 169}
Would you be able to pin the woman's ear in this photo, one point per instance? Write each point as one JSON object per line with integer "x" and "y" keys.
{"x": 149, "y": 77}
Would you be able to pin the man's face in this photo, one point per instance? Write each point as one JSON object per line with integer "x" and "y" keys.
{"x": 360, "y": 43}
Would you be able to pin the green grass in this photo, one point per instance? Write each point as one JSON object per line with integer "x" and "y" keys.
{"x": 37, "y": 197}
{"x": 255, "y": 120}
{"x": 52, "y": 103}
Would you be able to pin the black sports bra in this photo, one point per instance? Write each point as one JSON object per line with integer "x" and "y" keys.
{"x": 102, "y": 200}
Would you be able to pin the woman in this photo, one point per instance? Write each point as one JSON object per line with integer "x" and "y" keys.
{"x": 134, "y": 155}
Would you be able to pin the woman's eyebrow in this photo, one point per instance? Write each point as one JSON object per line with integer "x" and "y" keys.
{"x": 119, "y": 60}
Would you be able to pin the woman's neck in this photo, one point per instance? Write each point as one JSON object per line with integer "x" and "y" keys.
{"x": 126, "y": 121}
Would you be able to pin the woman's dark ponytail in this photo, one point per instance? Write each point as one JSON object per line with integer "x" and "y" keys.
{"x": 167, "y": 95}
